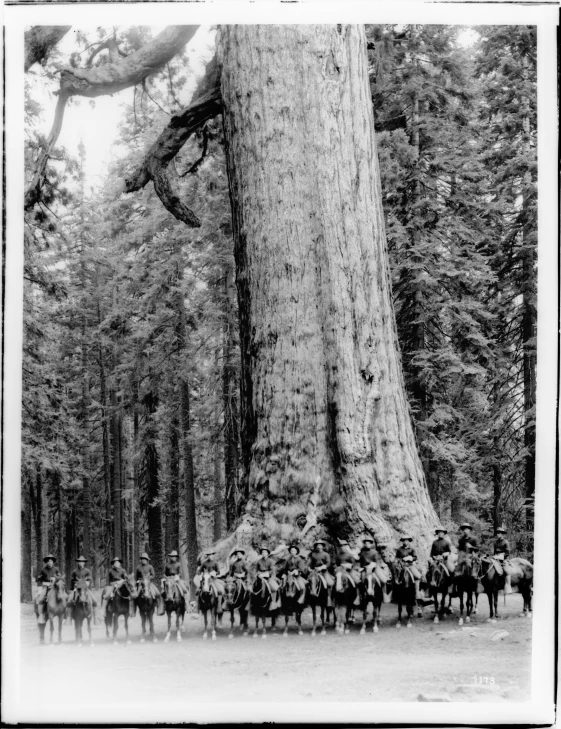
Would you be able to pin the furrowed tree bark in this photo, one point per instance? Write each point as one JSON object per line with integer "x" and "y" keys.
{"x": 61, "y": 552}
{"x": 40, "y": 41}
{"x": 326, "y": 429}
{"x": 172, "y": 507}
{"x": 38, "y": 501}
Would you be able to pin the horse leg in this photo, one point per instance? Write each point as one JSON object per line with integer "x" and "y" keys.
{"x": 178, "y": 637}
{"x": 127, "y": 639}
{"x": 460, "y": 591}
{"x": 142, "y": 625}
{"x": 205, "y": 618}
{"x": 364, "y": 614}
{"x": 213, "y": 619}
{"x": 90, "y": 631}
{"x": 399, "y": 608}
{"x": 496, "y": 602}
{"x": 151, "y": 624}
{"x": 256, "y": 626}
{"x": 435, "y": 598}
{"x": 410, "y": 610}
{"x": 375, "y": 617}
{"x": 313, "y": 618}
{"x": 60, "y": 619}
{"x": 490, "y": 598}
{"x": 285, "y": 632}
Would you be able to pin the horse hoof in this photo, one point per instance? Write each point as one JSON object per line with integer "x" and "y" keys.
{"x": 129, "y": 641}
{"x": 114, "y": 642}
{"x": 436, "y": 620}
{"x": 323, "y": 632}
{"x": 461, "y": 621}
{"x": 154, "y": 640}
{"x": 313, "y": 632}
{"x": 300, "y": 632}
{"x": 398, "y": 625}
{"x": 409, "y": 625}
{"x": 245, "y": 633}
{"x": 178, "y": 638}
{"x": 231, "y": 635}
{"x": 468, "y": 619}
{"x": 347, "y": 631}
{"x": 255, "y": 634}
{"x": 214, "y": 636}
{"x": 285, "y": 634}
{"x": 362, "y": 630}
{"x": 263, "y": 636}
{"x": 142, "y": 640}
{"x": 92, "y": 645}
{"x": 166, "y": 639}
{"x": 204, "y": 636}
{"x": 79, "y": 645}
{"x": 375, "y": 629}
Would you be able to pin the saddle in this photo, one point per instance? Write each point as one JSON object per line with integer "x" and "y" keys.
{"x": 498, "y": 565}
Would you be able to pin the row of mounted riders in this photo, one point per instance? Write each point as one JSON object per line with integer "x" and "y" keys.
{"x": 289, "y": 585}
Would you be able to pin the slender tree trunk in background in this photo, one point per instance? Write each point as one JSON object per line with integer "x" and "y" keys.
{"x": 26, "y": 593}
{"x": 217, "y": 450}
{"x": 45, "y": 516}
{"x": 529, "y": 325}
{"x": 70, "y": 541}
{"x": 136, "y": 484}
{"x": 497, "y": 492}
{"x": 152, "y": 476}
{"x": 38, "y": 500}
{"x": 61, "y": 551}
{"x": 233, "y": 499}
{"x": 192, "y": 547}
{"x": 123, "y": 482}
{"x": 107, "y": 531}
{"x": 86, "y": 489}
{"x": 172, "y": 507}
{"x": 327, "y": 433}
{"x": 116, "y": 473}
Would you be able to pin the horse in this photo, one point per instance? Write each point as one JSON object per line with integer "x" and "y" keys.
{"x": 208, "y": 601}
{"x": 174, "y": 601}
{"x": 319, "y": 596}
{"x": 441, "y": 580}
{"x": 291, "y": 603}
{"x": 404, "y": 591}
{"x": 492, "y": 582}
{"x": 122, "y": 603}
{"x": 260, "y": 602}
{"x": 522, "y": 577}
{"x": 57, "y": 600}
{"x": 146, "y": 604}
{"x": 345, "y": 594}
{"x": 237, "y": 598}
{"x": 82, "y": 609}
{"x": 372, "y": 591}
{"x": 465, "y": 582}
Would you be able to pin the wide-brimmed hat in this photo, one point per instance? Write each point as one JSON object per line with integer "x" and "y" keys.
{"x": 237, "y": 550}
{"x": 440, "y": 529}
{"x": 465, "y": 525}
{"x": 343, "y": 542}
{"x": 368, "y": 538}
{"x": 294, "y": 546}
{"x": 81, "y": 559}
{"x": 145, "y": 556}
{"x": 264, "y": 546}
{"x": 382, "y": 545}
{"x": 210, "y": 551}
{"x": 173, "y": 554}
{"x": 48, "y": 557}
{"x": 404, "y": 537}
{"x": 319, "y": 541}
{"x": 501, "y": 530}
{"x": 115, "y": 559}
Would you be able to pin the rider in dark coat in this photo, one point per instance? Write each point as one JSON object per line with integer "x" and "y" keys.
{"x": 501, "y": 551}
{"x": 267, "y": 568}
{"x": 173, "y": 569}
{"x": 295, "y": 563}
{"x": 115, "y": 575}
{"x": 210, "y": 565}
{"x": 46, "y": 579}
{"x": 146, "y": 571}
{"x": 467, "y": 538}
{"x": 320, "y": 561}
{"x": 407, "y": 554}
{"x": 440, "y": 549}
{"x": 82, "y": 573}
{"x": 346, "y": 558}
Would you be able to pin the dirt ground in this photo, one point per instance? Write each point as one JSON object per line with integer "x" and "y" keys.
{"x": 459, "y": 663}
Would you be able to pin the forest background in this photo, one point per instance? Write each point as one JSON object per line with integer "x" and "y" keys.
{"x": 131, "y": 351}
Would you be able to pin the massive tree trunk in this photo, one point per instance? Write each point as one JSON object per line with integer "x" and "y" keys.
{"x": 326, "y": 430}
{"x": 152, "y": 480}
{"x": 233, "y": 499}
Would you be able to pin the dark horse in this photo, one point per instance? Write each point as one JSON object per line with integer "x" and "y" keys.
{"x": 441, "y": 581}
{"x": 292, "y": 601}
{"x": 174, "y": 602}
{"x": 82, "y": 609}
{"x": 122, "y": 603}
{"x": 465, "y": 583}
{"x": 237, "y": 598}
{"x": 57, "y": 599}
{"x": 208, "y": 602}
{"x": 146, "y": 604}
{"x": 522, "y": 577}
{"x": 492, "y": 582}
{"x": 372, "y": 591}
{"x": 260, "y": 601}
{"x": 404, "y": 591}
{"x": 319, "y": 596}
{"x": 345, "y": 594}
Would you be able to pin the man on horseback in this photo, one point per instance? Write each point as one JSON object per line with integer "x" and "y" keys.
{"x": 439, "y": 551}
{"x": 320, "y": 561}
{"x": 210, "y": 565}
{"x": 407, "y": 555}
{"x": 296, "y": 565}
{"x": 347, "y": 560}
{"x": 145, "y": 571}
{"x": 266, "y": 569}
{"x": 82, "y": 573}
{"x": 116, "y": 575}
{"x": 466, "y": 539}
{"x": 238, "y": 568}
{"x": 45, "y": 581}
{"x": 501, "y": 552}
{"x": 173, "y": 569}
{"x": 370, "y": 561}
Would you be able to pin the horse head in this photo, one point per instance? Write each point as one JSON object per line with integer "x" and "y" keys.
{"x": 205, "y": 583}
{"x": 143, "y": 587}
{"x": 291, "y": 588}
{"x": 341, "y": 580}
{"x": 369, "y": 581}
{"x": 59, "y": 589}
{"x": 82, "y": 588}
{"x": 169, "y": 589}
{"x": 230, "y": 590}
